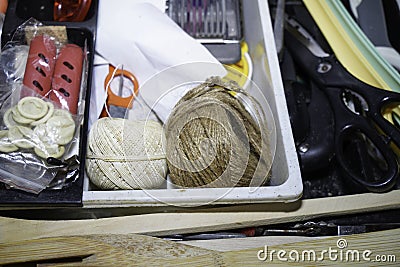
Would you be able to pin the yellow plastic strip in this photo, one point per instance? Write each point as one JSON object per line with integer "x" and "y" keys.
{"x": 351, "y": 56}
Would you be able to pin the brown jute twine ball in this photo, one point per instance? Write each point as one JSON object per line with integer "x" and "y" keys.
{"x": 214, "y": 138}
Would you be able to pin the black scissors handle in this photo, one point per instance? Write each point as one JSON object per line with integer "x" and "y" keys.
{"x": 311, "y": 117}
{"x": 363, "y": 131}
{"x": 372, "y": 148}
{"x": 376, "y": 99}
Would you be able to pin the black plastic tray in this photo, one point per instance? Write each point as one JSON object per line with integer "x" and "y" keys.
{"x": 79, "y": 33}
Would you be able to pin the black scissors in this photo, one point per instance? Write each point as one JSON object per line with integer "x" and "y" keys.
{"x": 363, "y": 137}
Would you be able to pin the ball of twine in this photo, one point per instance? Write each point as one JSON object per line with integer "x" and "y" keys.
{"x": 124, "y": 154}
{"x": 214, "y": 138}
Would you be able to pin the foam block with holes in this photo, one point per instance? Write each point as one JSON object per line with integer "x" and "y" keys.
{"x": 67, "y": 77}
{"x": 40, "y": 64}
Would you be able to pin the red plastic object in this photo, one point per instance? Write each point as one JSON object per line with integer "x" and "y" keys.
{"x": 71, "y": 10}
{"x": 67, "y": 77}
{"x": 3, "y": 6}
{"x": 40, "y": 64}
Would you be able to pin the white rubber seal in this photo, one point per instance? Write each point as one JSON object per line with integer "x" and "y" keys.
{"x": 17, "y": 117}
{"x": 50, "y": 151}
{"x": 8, "y": 119}
{"x": 21, "y": 136}
{"x": 32, "y": 107}
{"x": 46, "y": 117}
{"x": 61, "y": 128}
{"x": 6, "y": 146}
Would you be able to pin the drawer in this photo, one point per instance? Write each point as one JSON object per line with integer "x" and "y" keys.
{"x": 79, "y": 33}
{"x": 285, "y": 184}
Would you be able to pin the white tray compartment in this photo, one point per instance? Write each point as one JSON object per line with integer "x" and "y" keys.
{"x": 286, "y": 183}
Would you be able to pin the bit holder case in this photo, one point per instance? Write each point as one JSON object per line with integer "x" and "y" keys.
{"x": 217, "y": 24}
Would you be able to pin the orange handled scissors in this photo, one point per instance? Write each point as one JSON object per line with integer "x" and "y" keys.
{"x": 114, "y": 100}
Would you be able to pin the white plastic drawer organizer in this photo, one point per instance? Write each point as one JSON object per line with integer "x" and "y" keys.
{"x": 285, "y": 183}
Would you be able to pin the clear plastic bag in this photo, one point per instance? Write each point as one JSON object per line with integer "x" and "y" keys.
{"x": 33, "y": 130}
{"x": 41, "y": 107}
{"x": 13, "y": 62}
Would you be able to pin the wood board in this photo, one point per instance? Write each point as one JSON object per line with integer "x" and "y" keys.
{"x": 212, "y": 219}
{"x": 132, "y": 250}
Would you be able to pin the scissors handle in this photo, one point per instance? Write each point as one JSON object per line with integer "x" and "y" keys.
{"x": 372, "y": 164}
{"x": 384, "y": 99}
{"x": 360, "y": 132}
{"x": 116, "y": 100}
{"x": 377, "y": 100}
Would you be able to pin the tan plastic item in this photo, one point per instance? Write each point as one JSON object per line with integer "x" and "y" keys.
{"x": 67, "y": 77}
{"x": 40, "y": 64}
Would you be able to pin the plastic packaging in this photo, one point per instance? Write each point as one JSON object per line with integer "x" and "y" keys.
{"x": 41, "y": 110}
{"x": 12, "y": 63}
{"x": 32, "y": 131}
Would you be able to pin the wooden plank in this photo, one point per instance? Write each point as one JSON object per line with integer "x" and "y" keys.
{"x": 384, "y": 244}
{"x": 191, "y": 222}
{"x": 232, "y": 244}
{"x": 91, "y": 251}
{"x": 95, "y": 249}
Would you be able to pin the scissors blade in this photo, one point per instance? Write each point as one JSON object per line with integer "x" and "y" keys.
{"x": 121, "y": 82}
{"x": 278, "y": 26}
{"x": 117, "y": 112}
{"x": 300, "y": 33}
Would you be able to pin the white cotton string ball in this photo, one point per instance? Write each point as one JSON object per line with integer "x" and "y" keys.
{"x": 124, "y": 154}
